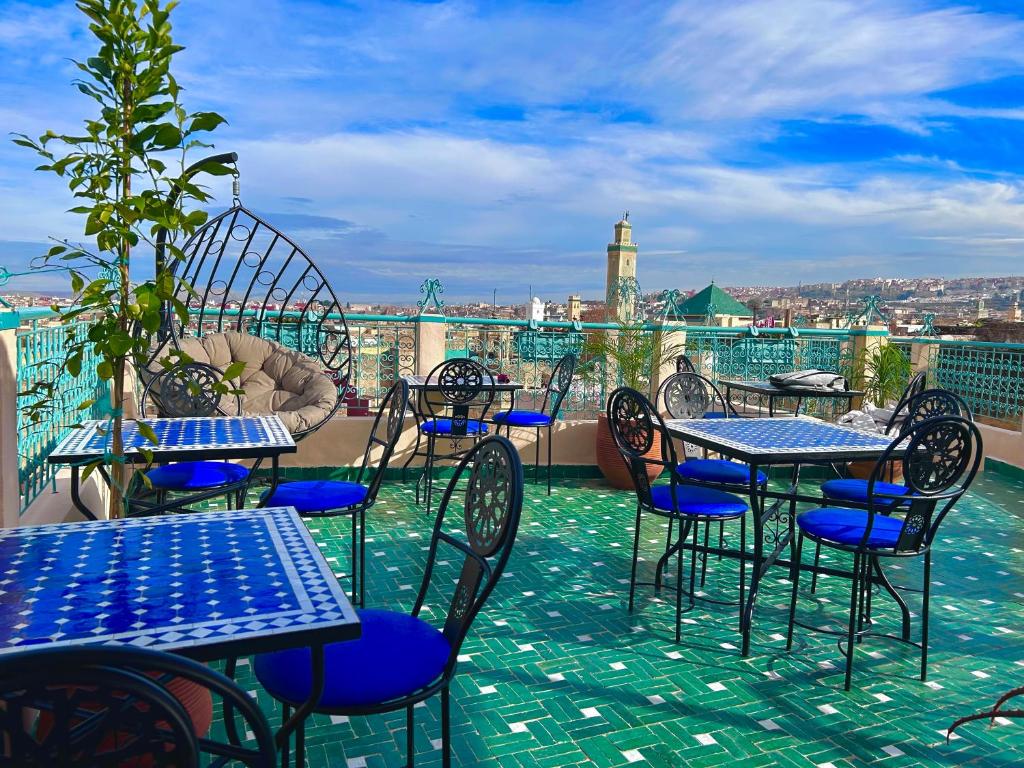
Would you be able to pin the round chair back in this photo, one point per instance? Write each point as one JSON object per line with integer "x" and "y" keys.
{"x": 689, "y": 395}
{"x": 189, "y": 389}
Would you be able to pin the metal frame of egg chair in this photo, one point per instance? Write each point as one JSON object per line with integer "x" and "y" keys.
{"x": 239, "y": 256}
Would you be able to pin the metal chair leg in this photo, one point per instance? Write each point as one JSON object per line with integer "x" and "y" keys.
{"x": 300, "y": 745}
{"x": 925, "y": 598}
{"x": 814, "y": 573}
{"x": 796, "y": 586}
{"x": 536, "y": 459}
{"x": 410, "y": 736}
{"x": 704, "y": 555}
{"x": 362, "y": 558}
{"x": 636, "y": 552}
{"x": 355, "y": 561}
{"x": 286, "y": 712}
{"x": 854, "y": 600}
{"x": 679, "y": 583}
{"x": 549, "y": 460}
{"x": 446, "y": 735}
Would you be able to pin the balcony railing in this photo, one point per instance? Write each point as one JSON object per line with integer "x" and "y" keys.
{"x": 989, "y": 376}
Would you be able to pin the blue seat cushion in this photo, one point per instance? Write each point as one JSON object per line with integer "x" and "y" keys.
{"x": 317, "y": 495}
{"x": 690, "y": 500}
{"x": 851, "y": 489}
{"x": 196, "y": 475}
{"x": 522, "y": 418}
{"x": 715, "y": 415}
{"x": 396, "y": 655}
{"x": 718, "y": 471}
{"x": 846, "y": 526}
{"x": 444, "y": 426}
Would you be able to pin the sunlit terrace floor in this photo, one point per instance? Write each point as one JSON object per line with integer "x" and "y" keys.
{"x": 556, "y": 672}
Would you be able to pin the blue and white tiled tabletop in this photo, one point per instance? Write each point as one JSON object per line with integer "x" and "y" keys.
{"x": 207, "y": 585}
{"x": 780, "y": 440}
{"x": 226, "y": 436}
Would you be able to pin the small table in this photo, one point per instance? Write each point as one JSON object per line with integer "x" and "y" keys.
{"x": 178, "y": 439}
{"x": 207, "y": 585}
{"x": 772, "y": 392}
{"x": 772, "y": 442}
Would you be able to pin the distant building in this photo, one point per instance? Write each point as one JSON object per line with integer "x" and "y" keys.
{"x": 535, "y": 309}
{"x": 574, "y": 310}
{"x": 716, "y": 307}
{"x": 621, "y": 265}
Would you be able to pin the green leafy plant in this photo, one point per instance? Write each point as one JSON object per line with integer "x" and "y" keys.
{"x": 634, "y": 352}
{"x": 126, "y": 171}
{"x": 882, "y": 372}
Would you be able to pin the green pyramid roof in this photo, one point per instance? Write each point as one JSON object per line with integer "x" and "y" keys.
{"x": 697, "y": 305}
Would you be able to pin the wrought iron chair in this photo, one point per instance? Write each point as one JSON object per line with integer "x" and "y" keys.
{"x": 924, "y": 405}
{"x": 190, "y": 390}
{"x": 400, "y": 659}
{"x": 688, "y": 395}
{"x": 335, "y": 498}
{"x": 117, "y": 706}
{"x": 635, "y": 425}
{"x": 941, "y": 459}
{"x": 239, "y": 275}
{"x": 555, "y": 392}
{"x": 455, "y": 411}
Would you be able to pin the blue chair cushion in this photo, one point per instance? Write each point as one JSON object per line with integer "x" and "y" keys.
{"x": 718, "y": 471}
{"x": 846, "y": 526}
{"x": 522, "y": 418}
{"x": 444, "y": 427}
{"x": 196, "y": 475}
{"x": 317, "y": 495}
{"x": 690, "y": 500}
{"x": 396, "y": 655}
{"x": 715, "y": 415}
{"x": 851, "y": 489}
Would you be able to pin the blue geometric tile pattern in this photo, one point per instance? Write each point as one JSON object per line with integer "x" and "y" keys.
{"x": 166, "y": 582}
{"x": 177, "y": 434}
{"x": 779, "y": 436}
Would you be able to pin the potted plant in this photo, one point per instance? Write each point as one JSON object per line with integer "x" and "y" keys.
{"x": 126, "y": 172}
{"x": 626, "y": 356}
{"x": 882, "y": 372}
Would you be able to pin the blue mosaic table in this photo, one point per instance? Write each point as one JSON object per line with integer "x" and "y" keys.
{"x": 242, "y": 437}
{"x": 780, "y": 440}
{"x": 774, "y": 441}
{"x": 178, "y": 439}
{"x": 207, "y": 585}
{"x": 772, "y": 393}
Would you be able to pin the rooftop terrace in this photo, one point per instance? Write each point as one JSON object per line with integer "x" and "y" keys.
{"x": 557, "y": 672}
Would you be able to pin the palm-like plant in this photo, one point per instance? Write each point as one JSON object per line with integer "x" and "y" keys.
{"x": 882, "y": 372}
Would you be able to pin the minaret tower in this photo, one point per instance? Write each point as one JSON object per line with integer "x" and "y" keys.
{"x": 621, "y": 264}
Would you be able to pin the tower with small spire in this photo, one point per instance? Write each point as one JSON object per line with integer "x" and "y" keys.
{"x": 621, "y": 264}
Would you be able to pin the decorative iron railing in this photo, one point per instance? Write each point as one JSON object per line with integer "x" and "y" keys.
{"x": 40, "y": 353}
{"x": 988, "y": 375}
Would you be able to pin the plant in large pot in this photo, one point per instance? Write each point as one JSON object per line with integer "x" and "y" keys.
{"x": 627, "y": 355}
{"x": 882, "y": 373}
{"x": 126, "y": 172}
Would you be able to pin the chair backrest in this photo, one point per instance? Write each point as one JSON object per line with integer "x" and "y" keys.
{"x": 491, "y": 479}
{"x": 110, "y": 706}
{"x": 390, "y": 416}
{"x": 931, "y": 403}
{"x": 684, "y": 364}
{"x": 636, "y": 425}
{"x": 689, "y": 395}
{"x": 941, "y": 460}
{"x": 559, "y": 385}
{"x": 188, "y": 389}
{"x": 914, "y": 386}
{"x": 463, "y": 385}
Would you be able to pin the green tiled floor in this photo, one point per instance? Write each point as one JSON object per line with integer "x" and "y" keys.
{"x": 556, "y": 672}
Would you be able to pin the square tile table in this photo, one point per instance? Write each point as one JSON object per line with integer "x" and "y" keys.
{"x": 208, "y": 585}
{"x": 763, "y": 443}
{"x": 772, "y": 393}
{"x": 178, "y": 439}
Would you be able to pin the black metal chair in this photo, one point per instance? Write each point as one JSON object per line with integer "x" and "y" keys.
{"x": 942, "y": 457}
{"x": 191, "y": 390}
{"x": 555, "y": 392}
{"x": 635, "y": 425}
{"x": 400, "y": 659}
{"x": 337, "y": 498}
{"x": 117, "y": 706}
{"x": 455, "y": 411}
{"x": 924, "y": 405}
{"x": 914, "y": 387}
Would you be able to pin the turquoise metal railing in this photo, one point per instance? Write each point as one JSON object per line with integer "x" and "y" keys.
{"x": 989, "y": 376}
{"x": 40, "y": 352}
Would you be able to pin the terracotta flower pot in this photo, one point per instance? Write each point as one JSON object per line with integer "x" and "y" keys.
{"x": 862, "y": 470}
{"x": 610, "y": 462}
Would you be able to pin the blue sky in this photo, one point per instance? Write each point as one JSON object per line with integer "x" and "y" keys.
{"x": 494, "y": 144}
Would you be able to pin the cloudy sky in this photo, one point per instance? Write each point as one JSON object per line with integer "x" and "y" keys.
{"x": 494, "y": 144}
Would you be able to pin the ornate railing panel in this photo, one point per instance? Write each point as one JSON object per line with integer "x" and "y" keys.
{"x": 41, "y": 350}
{"x": 989, "y": 376}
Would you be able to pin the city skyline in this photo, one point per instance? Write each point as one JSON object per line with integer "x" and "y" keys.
{"x": 493, "y": 145}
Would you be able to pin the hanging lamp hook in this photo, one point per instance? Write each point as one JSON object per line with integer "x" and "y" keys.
{"x": 236, "y": 186}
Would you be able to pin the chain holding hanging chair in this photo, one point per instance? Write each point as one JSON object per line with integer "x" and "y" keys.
{"x": 255, "y": 296}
